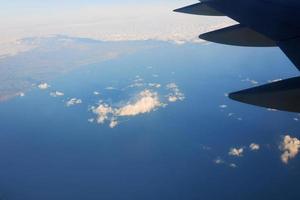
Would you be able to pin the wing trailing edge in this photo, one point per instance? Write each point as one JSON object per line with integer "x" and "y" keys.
{"x": 199, "y": 9}
{"x": 238, "y": 35}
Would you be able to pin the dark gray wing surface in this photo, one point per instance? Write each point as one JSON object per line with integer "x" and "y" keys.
{"x": 238, "y": 35}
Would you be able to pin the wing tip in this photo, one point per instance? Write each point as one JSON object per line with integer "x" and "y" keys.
{"x": 201, "y": 8}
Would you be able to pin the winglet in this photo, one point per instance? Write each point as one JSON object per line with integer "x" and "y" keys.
{"x": 199, "y": 9}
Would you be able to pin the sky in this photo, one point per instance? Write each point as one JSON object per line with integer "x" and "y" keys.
{"x": 16, "y": 7}
{"x": 101, "y": 20}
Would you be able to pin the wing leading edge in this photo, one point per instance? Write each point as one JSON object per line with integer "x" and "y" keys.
{"x": 262, "y": 23}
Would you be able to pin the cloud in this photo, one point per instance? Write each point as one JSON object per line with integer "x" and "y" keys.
{"x": 175, "y": 94}
{"x": 219, "y": 161}
{"x": 232, "y": 165}
{"x": 152, "y": 21}
{"x": 223, "y": 106}
{"x": 22, "y": 94}
{"x": 14, "y": 47}
{"x": 171, "y": 86}
{"x": 110, "y": 88}
{"x": 96, "y": 93}
{"x": 113, "y": 123}
{"x": 138, "y": 79}
{"x": 254, "y": 147}
{"x": 238, "y": 152}
{"x": 103, "y": 111}
{"x": 73, "y": 102}
{"x": 290, "y": 147}
{"x": 57, "y": 94}
{"x": 137, "y": 84}
{"x": 91, "y": 120}
{"x": 254, "y": 82}
{"x": 172, "y": 98}
{"x": 230, "y": 114}
{"x": 155, "y": 85}
{"x": 146, "y": 102}
{"x": 43, "y": 86}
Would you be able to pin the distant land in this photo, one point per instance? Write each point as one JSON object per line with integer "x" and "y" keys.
{"x": 48, "y": 57}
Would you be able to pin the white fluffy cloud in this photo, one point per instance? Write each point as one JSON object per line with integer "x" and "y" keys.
{"x": 175, "y": 94}
{"x": 146, "y": 102}
{"x": 254, "y": 147}
{"x": 57, "y": 94}
{"x": 73, "y": 102}
{"x": 43, "y": 86}
{"x": 290, "y": 147}
{"x": 113, "y": 123}
{"x": 236, "y": 152}
{"x": 103, "y": 111}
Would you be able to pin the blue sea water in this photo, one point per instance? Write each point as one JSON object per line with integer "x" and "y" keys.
{"x": 50, "y": 151}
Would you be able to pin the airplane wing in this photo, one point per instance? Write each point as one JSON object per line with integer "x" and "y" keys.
{"x": 262, "y": 23}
